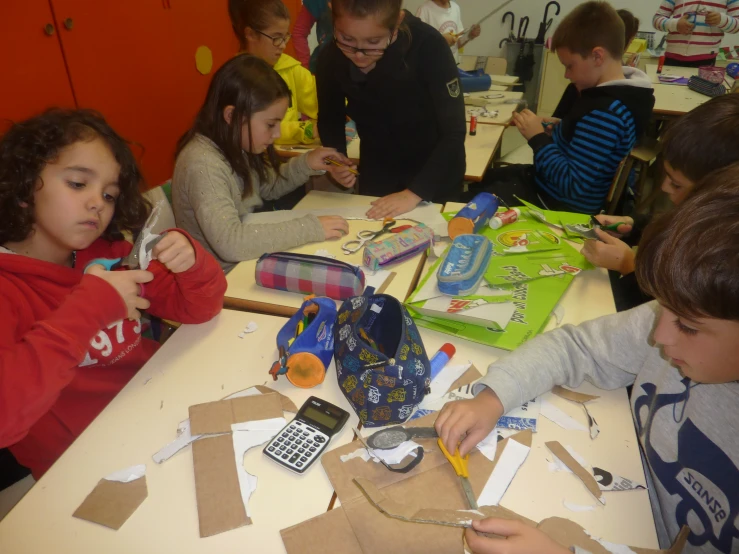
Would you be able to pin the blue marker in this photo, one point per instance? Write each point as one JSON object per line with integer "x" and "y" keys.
{"x": 441, "y": 358}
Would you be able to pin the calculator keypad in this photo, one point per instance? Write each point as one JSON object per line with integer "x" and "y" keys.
{"x": 297, "y": 446}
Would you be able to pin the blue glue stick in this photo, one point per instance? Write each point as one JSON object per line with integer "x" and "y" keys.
{"x": 441, "y": 358}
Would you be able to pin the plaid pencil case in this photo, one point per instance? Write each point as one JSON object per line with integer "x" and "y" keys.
{"x": 398, "y": 247}
{"x": 308, "y": 274}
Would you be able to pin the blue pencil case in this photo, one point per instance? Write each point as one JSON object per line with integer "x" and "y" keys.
{"x": 464, "y": 264}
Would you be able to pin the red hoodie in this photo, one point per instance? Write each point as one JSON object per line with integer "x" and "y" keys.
{"x": 66, "y": 347}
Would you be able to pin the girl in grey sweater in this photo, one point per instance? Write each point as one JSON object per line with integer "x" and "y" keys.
{"x": 681, "y": 353}
{"x": 226, "y": 166}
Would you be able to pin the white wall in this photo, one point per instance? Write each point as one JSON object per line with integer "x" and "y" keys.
{"x": 493, "y": 31}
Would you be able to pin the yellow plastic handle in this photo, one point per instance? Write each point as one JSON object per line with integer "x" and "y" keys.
{"x": 458, "y": 462}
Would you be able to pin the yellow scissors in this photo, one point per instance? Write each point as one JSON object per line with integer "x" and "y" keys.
{"x": 460, "y": 467}
{"x": 352, "y": 246}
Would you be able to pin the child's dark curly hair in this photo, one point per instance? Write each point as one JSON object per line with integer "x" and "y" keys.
{"x": 28, "y": 146}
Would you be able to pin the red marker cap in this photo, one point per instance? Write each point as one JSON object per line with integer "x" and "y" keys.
{"x": 448, "y": 349}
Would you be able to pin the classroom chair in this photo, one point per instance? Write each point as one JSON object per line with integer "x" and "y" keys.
{"x": 639, "y": 159}
{"x": 496, "y": 66}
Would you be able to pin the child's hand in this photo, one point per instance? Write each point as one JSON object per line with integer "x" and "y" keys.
{"x": 625, "y": 229}
{"x": 528, "y": 123}
{"x": 127, "y": 285}
{"x": 684, "y": 26}
{"x": 340, "y": 174}
{"x": 334, "y": 226}
{"x": 175, "y": 252}
{"x": 393, "y": 204}
{"x": 451, "y": 38}
{"x": 474, "y": 31}
{"x": 549, "y": 123}
{"x": 468, "y": 420}
{"x": 713, "y": 18}
{"x": 518, "y": 538}
{"x": 612, "y": 253}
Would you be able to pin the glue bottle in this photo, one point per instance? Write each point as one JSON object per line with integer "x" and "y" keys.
{"x": 441, "y": 358}
{"x": 506, "y": 218}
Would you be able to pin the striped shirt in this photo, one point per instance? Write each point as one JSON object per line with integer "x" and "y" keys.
{"x": 704, "y": 40}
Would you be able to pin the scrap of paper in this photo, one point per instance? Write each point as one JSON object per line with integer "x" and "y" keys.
{"x": 582, "y": 399}
{"x": 440, "y": 385}
{"x": 577, "y": 507}
{"x": 324, "y": 253}
{"x": 592, "y": 424}
{"x": 184, "y": 437}
{"x": 247, "y": 435}
{"x": 115, "y": 498}
{"x": 505, "y": 470}
{"x": 250, "y": 328}
{"x": 608, "y": 481}
{"x": 391, "y": 456}
{"x": 489, "y": 445}
{"x": 588, "y": 480}
{"x": 521, "y": 418}
{"x": 555, "y": 415}
{"x": 559, "y": 465}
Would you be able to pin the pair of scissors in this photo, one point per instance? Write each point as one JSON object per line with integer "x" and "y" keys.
{"x": 352, "y": 246}
{"x": 460, "y": 468}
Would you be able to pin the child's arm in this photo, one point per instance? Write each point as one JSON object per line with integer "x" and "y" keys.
{"x": 303, "y": 25}
{"x": 36, "y": 366}
{"x": 191, "y": 296}
{"x": 445, "y": 164}
{"x": 730, "y": 20}
{"x": 662, "y": 20}
{"x": 331, "y": 102}
{"x": 307, "y": 100}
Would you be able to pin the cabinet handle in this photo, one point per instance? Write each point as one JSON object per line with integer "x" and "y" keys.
{"x": 49, "y": 29}
{"x": 68, "y": 23}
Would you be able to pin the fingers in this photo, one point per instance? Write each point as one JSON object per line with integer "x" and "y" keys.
{"x": 472, "y": 439}
{"x": 497, "y": 526}
{"x": 139, "y": 275}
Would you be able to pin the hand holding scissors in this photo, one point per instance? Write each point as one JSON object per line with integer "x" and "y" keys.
{"x": 352, "y": 246}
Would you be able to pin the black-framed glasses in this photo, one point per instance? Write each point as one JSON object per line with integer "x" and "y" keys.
{"x": 276, "y": 41}
{"x": 369, "y": 52}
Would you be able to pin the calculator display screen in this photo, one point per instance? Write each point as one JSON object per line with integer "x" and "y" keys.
{"x": 320, "y": 417}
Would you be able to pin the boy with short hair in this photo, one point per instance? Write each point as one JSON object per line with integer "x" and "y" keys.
{"x": 687, "y": 160}
{"x": 682, "y": 355}
{"x": 575, "y": 158}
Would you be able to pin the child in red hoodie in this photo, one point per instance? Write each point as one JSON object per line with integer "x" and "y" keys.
{"x": 69, "y": 339}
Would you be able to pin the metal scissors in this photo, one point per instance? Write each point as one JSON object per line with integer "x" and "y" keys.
{"x": 460, "y": 468}
{"x": 352, "y": 246}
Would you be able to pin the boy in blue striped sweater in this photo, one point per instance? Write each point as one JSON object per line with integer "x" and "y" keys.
{"x": 576, "y": 157}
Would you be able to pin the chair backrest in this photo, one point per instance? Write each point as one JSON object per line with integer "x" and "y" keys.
{"x": 618, "y": 185}
{"x": 166, "y": 217}
{"x": 496, "y": 66}
{"x": 467, "y": 63}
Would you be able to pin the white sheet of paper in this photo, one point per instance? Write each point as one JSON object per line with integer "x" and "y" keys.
{"x": 183, "y": 439}
{"x": 505, "y": 470}
{"x": 489, "y": 445}
{"x": 127, "y": 475}
{"x": 441, "y": 383}
{"x": 245, "y": 436}
{"x": 498, "y": 312}
{"x": 554, "y": 414}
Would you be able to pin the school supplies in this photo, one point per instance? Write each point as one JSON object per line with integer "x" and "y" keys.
{"x": 464, "y": 265}
{"x": 441, "y": 358}
{"x": 352, "y": 246}
{"x": 707, "y": 88}
{"x": 505, "y": 218}
{"x": 306, "y": 274}
{"x": 302, "y": 441}
{"x": 394, "y": 436}
{"x": 384, "y": 382}
{"x": 460, "y": 468}
{"x": 474, "y": 81}
{"x": 305, "y": 349}
{"x": 473, "y": 125}
{"x": 474, "y": 216}
{"x": 339, "y": 164}
{"x": 398, "y": 247}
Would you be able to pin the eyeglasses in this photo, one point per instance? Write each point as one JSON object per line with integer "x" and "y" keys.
{"x": 369, "y": 52}
{"x": 276, "y": 41}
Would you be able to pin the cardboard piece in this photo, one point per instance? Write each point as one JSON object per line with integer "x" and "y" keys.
{"x": 287, "y": 404}
{"x": 585, "y": 476}
{"x": 467, "y": 378}
{"x": 217, "y": 417}
{"x": 111, "y": 503}
{"x": 572, "y": 395}
{"x": 338, "y": 536}
{"x": 220, "y": 507}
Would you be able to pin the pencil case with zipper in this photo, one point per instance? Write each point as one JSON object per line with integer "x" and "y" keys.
{"x": 464, "y": 265}
{"x": 307, "y": 274}
{"x": 397, "y": 247}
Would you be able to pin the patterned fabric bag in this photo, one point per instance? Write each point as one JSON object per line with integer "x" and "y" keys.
{"x": 381, "y": 363}
{"x": 308, "y": 274}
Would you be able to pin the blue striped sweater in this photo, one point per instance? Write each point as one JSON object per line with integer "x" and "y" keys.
{"x": 576, "y": 165}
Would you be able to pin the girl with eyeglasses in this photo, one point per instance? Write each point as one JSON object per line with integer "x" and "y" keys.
{"x": 261, "y": 26}
{"x": 402, "y": 88}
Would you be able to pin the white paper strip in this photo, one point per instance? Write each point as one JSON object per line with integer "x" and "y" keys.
{"x": 505, "y": 470}
{"x": 554, "y": 414}
{"x": 183, "y": 439}
{"x": 440, "y": 385}
{"x": 489, "y": 445}
{"x": 127, "y": 475}
{"x": 577, "y": 507}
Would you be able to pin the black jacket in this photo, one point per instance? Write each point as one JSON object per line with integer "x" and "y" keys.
{"x": 409, "y": 112}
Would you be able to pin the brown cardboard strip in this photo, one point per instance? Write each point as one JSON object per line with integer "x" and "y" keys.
{"x": 335, "y": 535}
{"x": 386, "y": 284}
{"x": 220, "y": 507}
{"x": 287, "y": 404}
{"x": 217, "y": 417}
{"x": 111, "y": 503}
{"x": 572, "y": 395}
{"x": 584, "y": 475}
{"x": 470, "y": 376}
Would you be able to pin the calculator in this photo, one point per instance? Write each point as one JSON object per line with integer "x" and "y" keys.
{"x": 303, "y": 440}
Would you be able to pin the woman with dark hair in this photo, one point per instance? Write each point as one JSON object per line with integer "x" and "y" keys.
{"x": 227, "y": 166}
{"x": 396, "y": 77}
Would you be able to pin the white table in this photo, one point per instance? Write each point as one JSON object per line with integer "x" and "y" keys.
{"x": 244, "y": 294}
{"x": 505, "y": 110}
{"x": 675, "y": 100}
